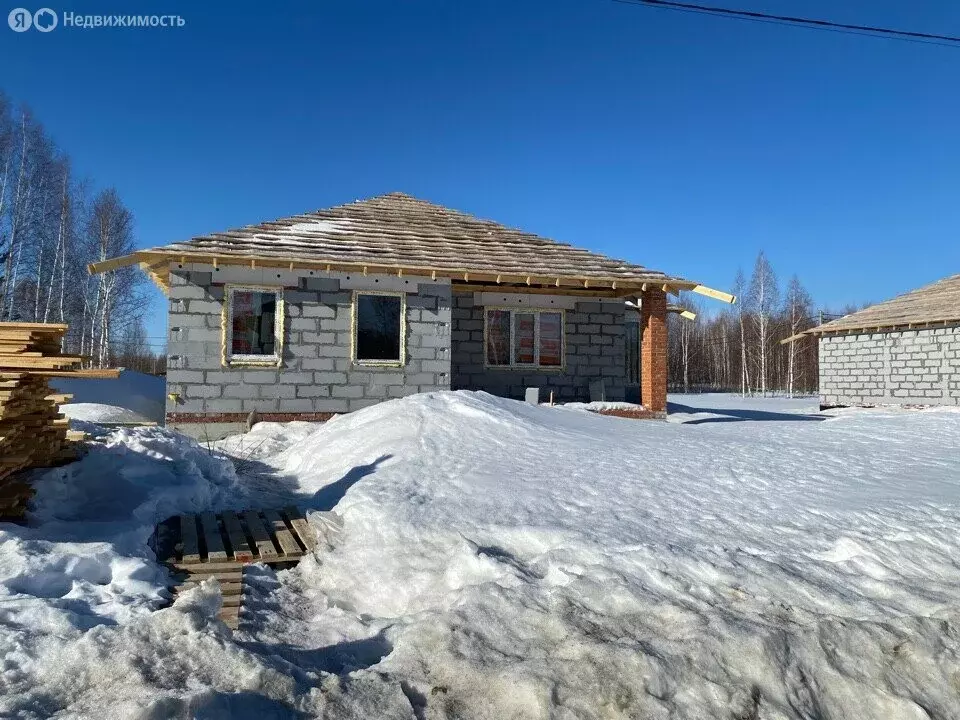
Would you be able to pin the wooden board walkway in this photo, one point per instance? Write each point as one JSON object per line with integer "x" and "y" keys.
{"x": 207, "y": 545}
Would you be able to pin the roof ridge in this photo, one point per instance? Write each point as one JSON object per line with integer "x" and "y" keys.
{"x": 445, "y": 209}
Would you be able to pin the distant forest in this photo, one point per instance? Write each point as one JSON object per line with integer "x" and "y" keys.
{"x": 52, "y": 224}
{"x": 739, "y": 349}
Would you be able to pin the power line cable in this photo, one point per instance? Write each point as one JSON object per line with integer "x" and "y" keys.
{"x": 795, "y": 21}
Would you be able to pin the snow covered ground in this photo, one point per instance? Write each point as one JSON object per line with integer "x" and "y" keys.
{"x": 748, "y": 559}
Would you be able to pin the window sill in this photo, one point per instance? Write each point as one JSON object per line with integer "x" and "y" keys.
{"x": 252, "y": 362}
{"x": 527, "y": 368}
{"x": 379, "y": 363}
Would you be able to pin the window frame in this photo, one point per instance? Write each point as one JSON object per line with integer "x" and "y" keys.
{"x": 229, "y": 359}
{"x": 536, "y": 338}
{"x": 404, "y": 327}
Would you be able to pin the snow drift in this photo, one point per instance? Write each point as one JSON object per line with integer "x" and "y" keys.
{"x": 500, "y": 560}
{"x": 132, "y": 397}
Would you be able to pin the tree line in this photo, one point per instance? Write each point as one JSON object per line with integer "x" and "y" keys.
{"x": 53, "y": 223}
{"x": 739, "y": 348}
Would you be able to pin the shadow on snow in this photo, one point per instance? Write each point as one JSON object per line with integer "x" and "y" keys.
{"x": 740, "y": 415}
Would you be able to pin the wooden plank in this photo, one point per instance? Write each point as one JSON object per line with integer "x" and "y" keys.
{"x": 114, "y": 263}
{"x": 242, "y": 552}
{"x": 188, "y": 539}
{"x": 35, "y": 327}
{"x": 202, "y": 571}
{"x": 715, "y": 294}
{"x": 305, "y": 533}
{"x": 288, "y": 545}
{"x": 230, "y": 617}
{"x": 261, "y": 538}
{"x": 211, "y": 536}
{"x": 39, "y": 363}
{"x": 227, "y": 589}
{"x": 98, "y": 373}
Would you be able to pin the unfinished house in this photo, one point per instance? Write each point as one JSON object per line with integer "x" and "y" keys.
{"x": 905, "y": 351}
{"x": 332, "y": 311}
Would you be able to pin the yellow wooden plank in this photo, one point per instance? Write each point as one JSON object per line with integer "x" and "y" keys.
{"x": 715, "y": 294}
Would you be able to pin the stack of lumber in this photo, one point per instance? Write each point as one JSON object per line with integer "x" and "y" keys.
{"x": 33, "y": 433}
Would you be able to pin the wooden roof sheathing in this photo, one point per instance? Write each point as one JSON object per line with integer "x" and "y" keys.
{"x": 402, "y": 233}
{"x": 937, "y": 303}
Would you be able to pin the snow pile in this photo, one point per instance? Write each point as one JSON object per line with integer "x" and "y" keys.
{"x": 84, "y": 567}
{"x": 99, "y": 413}
{"x": 505, "y": 560}
{"x": 502, "y": 560}
{"x": 141, "y": 395}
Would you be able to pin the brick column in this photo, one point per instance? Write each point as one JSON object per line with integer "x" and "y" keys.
{"x": 653, "y": 350}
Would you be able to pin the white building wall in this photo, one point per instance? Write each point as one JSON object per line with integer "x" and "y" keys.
{"x": 903, "y": 367}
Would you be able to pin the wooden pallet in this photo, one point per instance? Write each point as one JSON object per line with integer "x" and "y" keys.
{"x": 208, "y": 545}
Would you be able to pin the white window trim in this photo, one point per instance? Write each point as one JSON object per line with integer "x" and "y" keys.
{"x": 231, "y": 360}
{"x": 402, "y": 362}
{"x": 536, "y": 338}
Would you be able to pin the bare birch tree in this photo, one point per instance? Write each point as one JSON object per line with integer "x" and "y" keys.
{"x": 763, "y": 295}
{"x": 797, "y": 310}
{"x": 740, "y": 290}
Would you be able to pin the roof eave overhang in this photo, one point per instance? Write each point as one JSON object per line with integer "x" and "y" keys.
{"x": 156, "y": 263}
{"x": 866, "y": 329}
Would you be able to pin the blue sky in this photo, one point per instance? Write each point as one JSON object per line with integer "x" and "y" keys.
{"x": 683, "y": 142}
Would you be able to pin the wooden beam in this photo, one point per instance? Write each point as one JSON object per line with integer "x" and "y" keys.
{"x": 715, "y": 294}
{"x": 461, "y": 287}
{"x": 113, "y": 263}
{"x": 100, "y": 373}
{"x": 793, "y": 338}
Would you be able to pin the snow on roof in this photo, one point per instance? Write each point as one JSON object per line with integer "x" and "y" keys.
{"x": 402, "y": 232}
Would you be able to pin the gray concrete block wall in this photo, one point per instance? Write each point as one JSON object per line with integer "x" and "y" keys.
{"x": 594, "y": 349}
{"x": 903, "y": 367}
{"x": 317, "y": 374}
